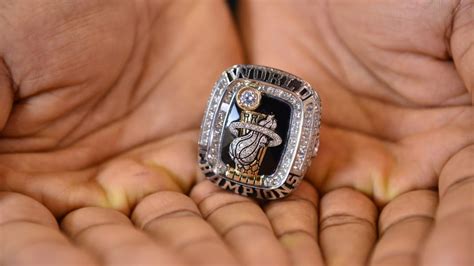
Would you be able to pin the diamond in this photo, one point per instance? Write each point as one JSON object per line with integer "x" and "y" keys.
{"x": 248, "y": 98}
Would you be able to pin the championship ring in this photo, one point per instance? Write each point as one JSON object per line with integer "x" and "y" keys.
{"x": 259, "y": 132}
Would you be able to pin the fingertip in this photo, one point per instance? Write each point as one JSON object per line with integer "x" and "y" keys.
{"x": 18, "y": 207}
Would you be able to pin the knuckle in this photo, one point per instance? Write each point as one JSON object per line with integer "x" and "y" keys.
{"x": 336, "y": 220}
{"x": 163, "y": 204}
{"x": 347, "y": 206}
{"x": 402, "y": 208}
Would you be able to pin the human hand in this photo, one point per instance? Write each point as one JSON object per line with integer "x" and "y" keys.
{"x": 347, "y": 217}
{"x": 396, "y": 83}
{"x": 169, "y": 228}
{"x": 101, "y": 101}
{"x": 217, "y": 227}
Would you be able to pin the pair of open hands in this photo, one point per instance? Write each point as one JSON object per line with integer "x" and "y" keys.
{"x": 100, "y": 106}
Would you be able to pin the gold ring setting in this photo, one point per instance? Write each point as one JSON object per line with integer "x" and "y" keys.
{"x": 260, "y": 131}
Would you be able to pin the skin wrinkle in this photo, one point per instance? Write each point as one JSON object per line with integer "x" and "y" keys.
{"x": 409, "y": 218}
{"x": 132, "y": 108}
{"x": 94, "y": 226}
{"x": 459, "y": 212}
{"x": 326, "y": 69}
{"x": 375, "y": 131}
{"x": 56, "y": 239}
{"x": 71, "y": 109}
{"x": 130, "y": 203}
{"x": 13, "y": 86}
{"x": 335, "y": 220}
{"x": 177, "y": 181}
{"x": 461, "y": 7}
{"x": 295, "y": 232}
{"x": 172, "y": 214}
{"x": 346, "y": 165}
{"x": 456, "y": 184}
{"x": 106, "y": 92}
{"x": 297, "y": 199}
{"x": 385, "y": 170}
{"x": 116, "y": 248}
{"x": 287, "y": 232}
{"x": 227, "y": 204}
{"x": 140, "y": 77}
{"x": 317, "y": 32}
{"x": 37, "y": 243}
{"x": 92, "y": 179}
{"x": 198, "y": 241}
{"x": 466, "y": 51}
{"x": 412, "y": 255}
{"x": 102, "y": 98}
{"x": 109, "y": 158}
{"x": 216, "y": 192}
{"x": 369, "y": 97}
{"x": 229, "y": 230}
{"x": 21, "y": 220}
{"x": 373, "y": 74}
{"x": 7, "y": 96}
{"x": 127, "y": 115}
{"x": 99, "y": 240}
{"x": 453, "y": 155}
{"x": 61, "y": 85}
{"x": 124, "y": 65}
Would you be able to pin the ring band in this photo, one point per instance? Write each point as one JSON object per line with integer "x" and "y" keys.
{"x": 259, "y": 132}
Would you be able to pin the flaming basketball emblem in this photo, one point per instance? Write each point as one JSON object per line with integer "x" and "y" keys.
{"x": 254, "y": 133}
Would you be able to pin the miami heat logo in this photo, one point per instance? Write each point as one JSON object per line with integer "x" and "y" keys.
{"x": 254, "y": 133}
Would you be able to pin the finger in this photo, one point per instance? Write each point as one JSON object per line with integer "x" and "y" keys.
{"x": 242, "y": 224}
{"x": 347, "y": 229}
{"x": 295, "y": 222}
{"x": 174, "y": 219}
{"x": 118, "y": 184}
{"x": 111, "y": 236}
{"x": 452, "y": 240}
{"x": 403, "y": 227}
{"x": 29, "y": 235}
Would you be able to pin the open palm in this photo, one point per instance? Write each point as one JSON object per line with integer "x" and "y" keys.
{"x": 104, "y": 102}
{"x": 396, "y": 82}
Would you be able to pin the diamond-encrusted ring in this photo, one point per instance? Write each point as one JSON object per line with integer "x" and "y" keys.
{"x": 260, "y": 131}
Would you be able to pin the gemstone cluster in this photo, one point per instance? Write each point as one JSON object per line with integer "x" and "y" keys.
{"x": 237, "y": 88}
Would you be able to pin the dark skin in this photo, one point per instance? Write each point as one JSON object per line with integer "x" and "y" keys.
{"x": 101, "y": 103}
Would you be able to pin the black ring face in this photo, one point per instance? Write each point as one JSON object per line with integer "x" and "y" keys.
{"x": 273, "y": 155}
{"x": 259, "y": 132}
